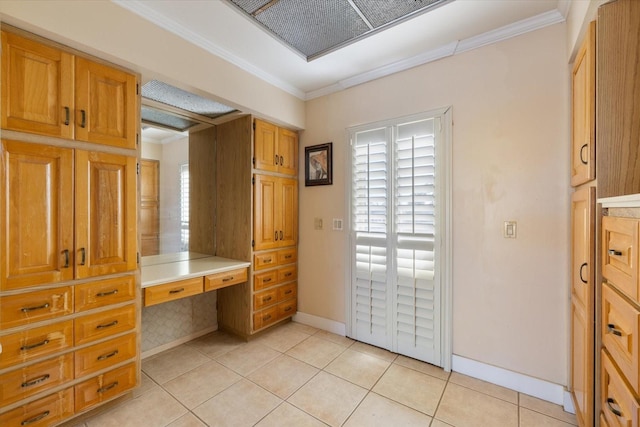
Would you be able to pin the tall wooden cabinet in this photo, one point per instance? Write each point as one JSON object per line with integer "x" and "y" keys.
{"x": 69, "y": 277}
{"x": 260, "y": 224}
{"x": 149, "y": 207}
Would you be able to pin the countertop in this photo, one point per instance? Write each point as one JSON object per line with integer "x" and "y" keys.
{"x": 159, "y": 269}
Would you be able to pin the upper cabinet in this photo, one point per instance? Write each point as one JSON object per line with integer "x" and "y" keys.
{"x": 49, "y": 91}
{"x": 618, "y": 95}
{"x": 583, "y": 150}
{"x": 275, "y": 149}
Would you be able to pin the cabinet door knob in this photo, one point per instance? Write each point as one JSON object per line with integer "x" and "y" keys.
{"x": 276, "y": 156}
{"x": 612, "y": 328}
{"x": 83, "y": 256}
{"x": 584, "y": 162}
{"x": 83, "y": 120}
{"x": 276, "y": 236}
{"x": 610, "y": 403}
{"x": 581, "y": 267}
{"x": 66, "y": 258}
{"x": 614, "y": 252}
{"x": 66, "y": 116}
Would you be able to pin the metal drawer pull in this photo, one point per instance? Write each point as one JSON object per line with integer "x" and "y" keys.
{"x": 83, "y": 257}
{"x": 288, "y": 291}
{"x": 276, "y": 235}
{"x": 267, "y": 280}
{"x": 582, "y": 278}
{"x": 107, "y": 325}
{"x": 66, "y": 258}
{"x": 281, "y": 161}
{"x": 83, "y": 121}
{"x": 266, "y": 299}
{"x": 611, "y": 401}
{"x": 34, "y": 419}
{"x": 40, "y": 307}
{"x": 176, "y": 291}
{"x": 107, "y": 293}
{"x": 584, "y": 162}
{"x": 267, "y": 317}
{"x": 288, "y": 256}
{"x": 612, "y": 328}
{"x": 276, "y": 158}
{"x": 108, "y": 387}
{"x": 32, "y": 346}
{"x": 227, "y": 279}
{"x": 267, "y": 260}
{"x": 66, "y": 116}
{"x": 614, "y": 252}
{"x": 288, "y": 274}
{"x": 288, "y": 309}
{"x": 281, "y": 238}
{"x": 108, "y": 355}
{"x": 34, "y": 381}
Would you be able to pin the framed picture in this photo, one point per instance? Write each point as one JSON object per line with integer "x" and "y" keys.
{"x": 318, "y": 168}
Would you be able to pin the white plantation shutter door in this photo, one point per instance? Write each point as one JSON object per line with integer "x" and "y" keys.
{"x": 395, "y": 299}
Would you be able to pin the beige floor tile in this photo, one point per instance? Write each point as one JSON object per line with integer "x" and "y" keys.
{"x": 420, "y": 366}
{"x": 153, "y": 409}
{"x": 146, "y": 384}
{"x": 334, "y": 338}
{"x": 201, "y": 384}
{"x": 419, "y": 391}
{"x": 484, "y": 387}
{"x": 217, "y": 343}
{"x": 283, "y": 375}
{"x": 328, "y": 398}
{"x": 378, "y": 352}
{"x": 438, "y": 423}
{"x": 282, "y": 338}
{"x": 547, "y": 408}
{"x": 359, "y": 368}
{"x": 187, "y": 420}
{"x": 316, "y": 351}
{"x": 529, "y": 418}
{"x": 289, "y": 415}
{"x": 173, "y": 363}
{"x": 242, "y": 404}
{"x": 378, "y": 411}
{"x": 301, "y": 327}
{"x": 248, "y": 358}
{"x": 461, "y": 406}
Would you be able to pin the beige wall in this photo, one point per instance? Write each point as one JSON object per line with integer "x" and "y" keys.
{"x": 510, "y": 162}
{"x": 580, "y": 13}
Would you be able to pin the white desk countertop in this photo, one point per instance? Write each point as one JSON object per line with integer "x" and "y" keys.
{"x": 160, "y": 269}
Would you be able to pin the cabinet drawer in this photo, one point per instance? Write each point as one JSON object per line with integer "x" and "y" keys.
{"x": 28, "y": 381}
{"x": 288, "y": 291}
{"x": 265, "y": 298}
{"x": 105, "y": 387}
{"x": 617, "y": 400}
{"x": 265, "y": 260}
{"x": 287, "y": 308}
{"x": 47, "y": 411}
{"x": 288, "y": 273}
{"x": 603, "y": 421}
{"x": 27, "y": 345}
{"x": 220, "y": 280}
{"x": 265, "y": 317}
{"x": 103, "y": 355}
{"x": 172, "y": 291}
{"x": 265, "y": 280}
{"x": 620, "y": 327}
{"x": 35, "y": 306}
{"x": 105, "y": 292}
{"x": 101, "y": 325}
{"x": 287, "y": 256}
{"x": 620, "y": 253}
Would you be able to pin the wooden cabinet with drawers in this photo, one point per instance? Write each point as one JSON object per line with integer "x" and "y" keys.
{"x": 275, "y": 148}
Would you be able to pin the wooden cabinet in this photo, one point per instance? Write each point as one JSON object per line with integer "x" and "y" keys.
{"x": 149, "y": 207}
{"x": 275, "y": 212}
{"x": 47, "y": 411}
{"x": 583, "y": 111}
{"x": 275, "y": 148}
{"x": 171, "y": 291}
{"x": 50, "y": 91}
{"x": 617, "y": 93}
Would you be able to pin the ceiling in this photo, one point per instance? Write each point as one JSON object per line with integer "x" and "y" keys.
{"x": 226, "y": 30}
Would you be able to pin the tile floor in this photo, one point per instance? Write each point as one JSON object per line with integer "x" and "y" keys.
{"x": 296, "y": 375}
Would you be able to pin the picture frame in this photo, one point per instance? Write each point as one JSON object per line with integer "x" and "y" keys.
{"x": 318, "y": 164}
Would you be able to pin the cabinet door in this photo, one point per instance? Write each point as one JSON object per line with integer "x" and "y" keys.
{"x": 265, "y": 146}
{"x": 149, "y": 207}
{"x": 105, "y": 214}
{"x": 288, "y": 151}
{"x": 265, "y": 231}
{"x": 287, "y": 214}
{"x": 584, "y": 111}
{"x": 106, "y": 103}
{"x": 582, "y": 369}
{"x": 37, "y": 208}
{"x": 37, "y": 87}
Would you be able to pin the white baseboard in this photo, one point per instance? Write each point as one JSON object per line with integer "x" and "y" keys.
{"x": 321, "y": 323}
{"x": 545, "y": 390}
{"x": 178, "y": 342}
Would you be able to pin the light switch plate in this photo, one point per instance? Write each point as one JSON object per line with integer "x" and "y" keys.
{"x": 510, "y": 229}
{"x": 317, "y": 223}
{"x": 337, "y": 224}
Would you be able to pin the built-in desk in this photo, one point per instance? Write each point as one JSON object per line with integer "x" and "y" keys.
{"x": 172, "y": 276}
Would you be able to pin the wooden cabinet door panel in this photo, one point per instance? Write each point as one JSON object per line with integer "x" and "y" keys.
{"x": 617, "y": 401}
{"x": 37, "y": 206}
{"x": 37, "y": 87}
{"x": 265, "y": 146}
{"x": 288, "y": 212}
{"x": 288, "y": 151}
{"x": 582, "y": 380}
{"x": 105, "y": 214}
{"x": 583, "y": 246}
{"x": 620, "y": 253}
{"x": 265, "y": 212}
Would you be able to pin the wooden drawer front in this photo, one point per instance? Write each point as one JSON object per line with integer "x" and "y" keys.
{"x": 265, "y": 317}
{"x": 265, "y": 280}
{"x": 617, "y": 400}
{"x": 220, "y": 280}
{"x": 287, "y": 308}
{"x": 103, "y": 355}
{"x": 47, "y": 411}
{"x": 286, "y": 292}
{"x": 27, "y": 345}
{"x": 620, "y": 325}
{"x": 172, "y": 291}
{"x": 105, "y": 292}
{"x": 265, "y": 298}
{"x": 620, "y": 253}
{"x": 265, "y": 260}
{"x": 603, "y": 421}
{"x": 26, "y": 382}
{"x": 105, "y": 386}
{"x": 35, "y": 306}
{"x": 101, "y": 325}
{"x": 287, "y": 256}
{"x": 287, "y": 274}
